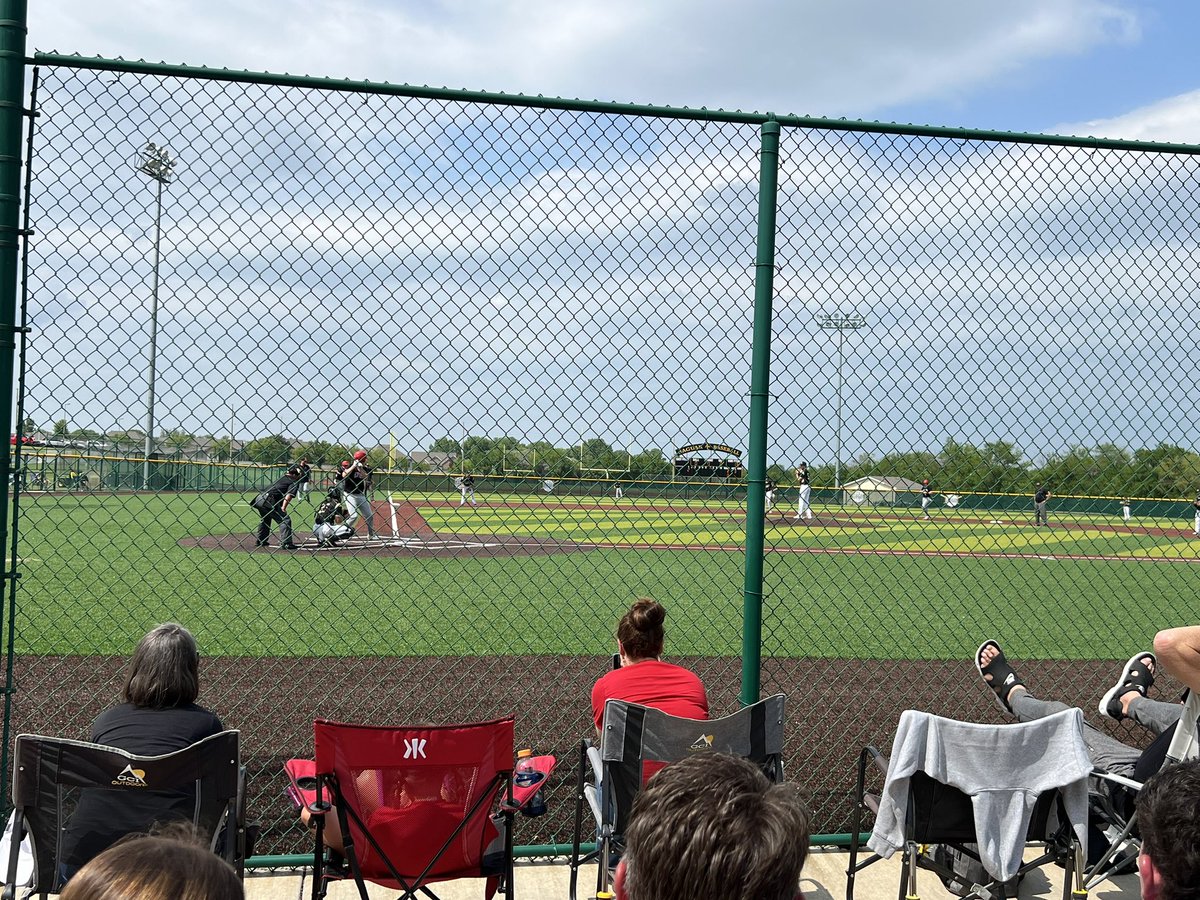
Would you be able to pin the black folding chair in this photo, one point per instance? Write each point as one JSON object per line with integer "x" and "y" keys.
{"x": 938, "y": 819}
{"x": 635, "y": 739}
{"x": 49, "y": 775}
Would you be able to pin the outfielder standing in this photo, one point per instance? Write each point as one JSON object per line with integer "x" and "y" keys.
{"x": 356, "y": 482}
{"x": 770, "y": 499}
{"x": 804, "y": 505}
{"x": 1196, "y": 506}
{"x": 926, "y": 497}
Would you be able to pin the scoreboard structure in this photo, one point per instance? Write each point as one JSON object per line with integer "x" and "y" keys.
{"x": 699, "y": 461}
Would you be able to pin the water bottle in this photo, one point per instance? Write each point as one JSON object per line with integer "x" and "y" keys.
{"x": 523, "y": 776}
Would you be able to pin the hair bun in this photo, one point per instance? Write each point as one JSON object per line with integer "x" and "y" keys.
{"x": 647, "y": 614}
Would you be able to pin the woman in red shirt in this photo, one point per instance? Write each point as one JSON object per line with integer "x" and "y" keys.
{"x": 643, "y": 678}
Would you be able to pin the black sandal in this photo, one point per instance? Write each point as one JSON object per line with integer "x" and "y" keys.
{"x": 1136, "y": 676}
{"x": 998, "y": 674}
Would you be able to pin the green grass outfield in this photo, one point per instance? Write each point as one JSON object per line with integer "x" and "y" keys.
{"x": 97, "y": 570}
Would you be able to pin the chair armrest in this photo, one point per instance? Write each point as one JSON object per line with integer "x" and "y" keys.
{"x": 872, "y": 755}
{"x": 1117, "y": 779}
{"x": 593, "y": 755}
{"x": 302, "y": 786}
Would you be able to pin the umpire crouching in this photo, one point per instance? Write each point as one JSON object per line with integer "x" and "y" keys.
{"x": 272, "y": 506}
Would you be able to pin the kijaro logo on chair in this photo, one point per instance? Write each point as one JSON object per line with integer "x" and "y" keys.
{"x": 414, "y": 748}
{"x": 131, "y": 777}
{"x": 704, "y": 742}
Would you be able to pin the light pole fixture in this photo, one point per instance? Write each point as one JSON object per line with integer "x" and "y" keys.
{"x": 841, "y": 323}
{"x": 155, "y": 163}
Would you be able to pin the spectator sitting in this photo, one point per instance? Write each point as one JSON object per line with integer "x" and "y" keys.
{"x": 159, "y": 715}
{"x": 172, "y": 865}
{"x": 642, "y": 677}
{"x": 713, "y": 825}
{"x": 1168, "y": 808}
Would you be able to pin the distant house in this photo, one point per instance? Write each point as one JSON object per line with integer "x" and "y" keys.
{"x": 881, "y": 490}
{"x": 433, "y": 462}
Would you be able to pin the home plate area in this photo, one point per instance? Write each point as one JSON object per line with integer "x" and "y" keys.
{"x": 401, "y": 531}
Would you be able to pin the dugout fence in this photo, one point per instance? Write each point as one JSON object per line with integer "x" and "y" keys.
{"x": 333, "y": 265}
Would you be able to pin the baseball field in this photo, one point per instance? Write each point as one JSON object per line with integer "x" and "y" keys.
{"x": 510, "y": 607}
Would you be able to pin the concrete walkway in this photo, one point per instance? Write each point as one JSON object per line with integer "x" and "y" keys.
{"x": 824, "y": 879}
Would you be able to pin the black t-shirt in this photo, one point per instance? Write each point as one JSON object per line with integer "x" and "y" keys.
{"x": 926, "y": 491}
{"x": 104, "y": 816}
{"x": 1041, "y": 495}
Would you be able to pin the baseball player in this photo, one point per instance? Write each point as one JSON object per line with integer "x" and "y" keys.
{"x": 1039, "y": 507}
{"x": 329, "y": 520}
{"x": 1125, "y": 511}
{"x": 466, "y": 489}
{"x": 356, "y": 482}
{"x": 770, "y": 500}
{"x": 804, "y": 505}
{"x": 1196, "y": 506}
{"x": 926, "y": 498}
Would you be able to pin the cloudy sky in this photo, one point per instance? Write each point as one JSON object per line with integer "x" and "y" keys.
{"x": 561, "y": 276}
{"x": 1116, "y": 68}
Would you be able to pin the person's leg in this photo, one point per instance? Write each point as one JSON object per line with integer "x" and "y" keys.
{"x": 264, "y": 529}
{"x": 368, "y": 513}
{"x": 1106, "y": 753}
{"x": 285, "y": 531}
{"x": 1155, "y": 715}
{"x": 351, "y": 510}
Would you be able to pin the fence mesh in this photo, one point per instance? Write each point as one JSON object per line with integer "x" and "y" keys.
{"x": 559, "y": 304}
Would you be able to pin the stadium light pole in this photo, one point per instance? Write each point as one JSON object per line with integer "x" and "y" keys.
{"x": 841, "y": 323}
{"x": 155, "y": 163}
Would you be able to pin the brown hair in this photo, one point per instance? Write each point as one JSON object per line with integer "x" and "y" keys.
{"x": 1168, "y": 813}
{"x": 713, "y": 825}
{"x": 640, "y": 630}
{"x": 169, "y": 864}
{"x": 165, "y": 669}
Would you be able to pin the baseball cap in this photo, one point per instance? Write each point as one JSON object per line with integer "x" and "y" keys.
{"x": 360, "y": 454}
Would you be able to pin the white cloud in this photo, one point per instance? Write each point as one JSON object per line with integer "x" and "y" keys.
{"x": 855, "y": 58}
{"x": 1174, "y": 120}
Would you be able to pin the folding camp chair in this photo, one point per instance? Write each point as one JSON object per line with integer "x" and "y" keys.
{"x": 49, "y": 773}
{"x": 635, "y": 741}
{"x": 414, "y": 805}
{"x": 1114, "y": 801}
{"x": 970, "y": 788}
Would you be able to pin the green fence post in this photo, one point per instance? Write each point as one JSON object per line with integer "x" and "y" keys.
{"x": 13, "y": 20}
{"x": 760, "y": 382}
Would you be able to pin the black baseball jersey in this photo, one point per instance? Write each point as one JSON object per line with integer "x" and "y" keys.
{"x": 1041, "y": 495}
{"x": 328, "y": 511}
{"x": 802, "y": 474}
{"x": 357, "y": 479}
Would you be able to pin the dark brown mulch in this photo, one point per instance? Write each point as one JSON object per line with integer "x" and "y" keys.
{"x": 835, "y": 706}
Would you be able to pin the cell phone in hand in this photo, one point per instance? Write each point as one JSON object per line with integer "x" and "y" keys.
{"x": 616, "y": 660}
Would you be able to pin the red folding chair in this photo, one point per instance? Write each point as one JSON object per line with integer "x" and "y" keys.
{"x": 414, "y": 805}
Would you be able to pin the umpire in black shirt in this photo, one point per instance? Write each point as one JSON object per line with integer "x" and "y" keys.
{"x": 272, "y": 507}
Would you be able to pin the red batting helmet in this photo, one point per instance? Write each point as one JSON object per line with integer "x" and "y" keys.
{"x": 360, "y": 454}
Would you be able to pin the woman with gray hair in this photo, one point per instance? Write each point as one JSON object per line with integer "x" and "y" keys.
{"x": 158, "y": 715}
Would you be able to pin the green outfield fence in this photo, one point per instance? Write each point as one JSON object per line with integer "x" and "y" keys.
{"x": 250, "y": 268}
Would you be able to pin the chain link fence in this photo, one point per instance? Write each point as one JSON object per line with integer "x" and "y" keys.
{"x": 228, "y": 274}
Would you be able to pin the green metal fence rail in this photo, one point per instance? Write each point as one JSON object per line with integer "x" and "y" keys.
{"x": 629, "y": 325}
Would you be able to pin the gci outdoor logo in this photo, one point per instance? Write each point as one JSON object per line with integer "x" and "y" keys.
{"x": 704, "y": 742}
{"x": 131, "y": 777}
{"x": 414, "y": 748}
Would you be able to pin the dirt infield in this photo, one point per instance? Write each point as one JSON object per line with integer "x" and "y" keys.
{"x": 412, "y": 536}
{"x": 834, "y": 707}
